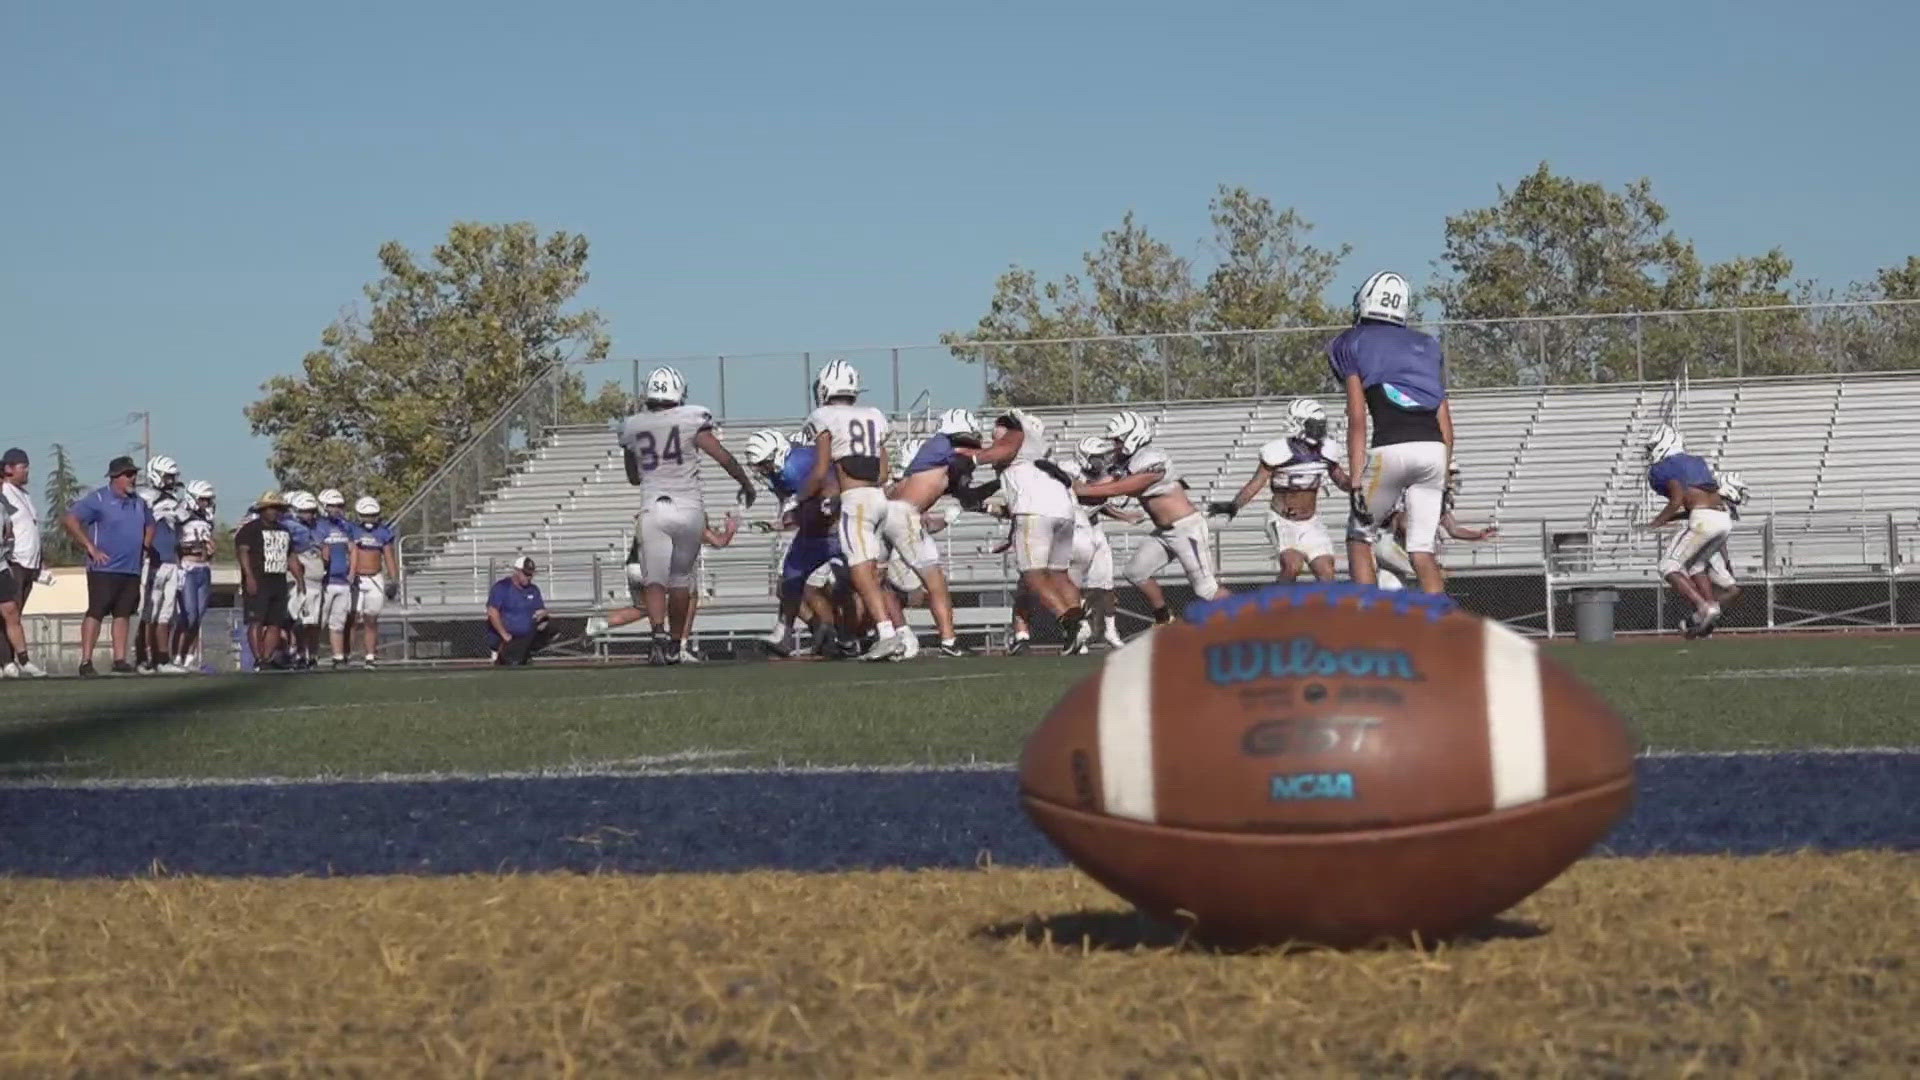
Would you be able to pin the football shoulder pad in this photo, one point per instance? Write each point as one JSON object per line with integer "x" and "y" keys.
{"x": 1276, "y": 453}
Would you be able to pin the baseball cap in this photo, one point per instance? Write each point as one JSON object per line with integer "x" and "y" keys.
{"x": 522, "y": 563}
{"x": 121, "y": 466}
{"x": 15, "y": 456}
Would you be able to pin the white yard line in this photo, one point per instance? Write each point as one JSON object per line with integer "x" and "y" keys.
{"x": 1869, "y": 670}
{"x": 679, "y": 763}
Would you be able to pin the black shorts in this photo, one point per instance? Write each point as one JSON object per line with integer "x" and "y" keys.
{"x": 268, "y": 605}
{"x": 112, "y": 595}
{"x": 9, "y": 588}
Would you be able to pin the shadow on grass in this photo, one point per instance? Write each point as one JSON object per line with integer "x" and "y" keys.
{"x": 1128, "y": 931}
{"x": 70, "y": 730}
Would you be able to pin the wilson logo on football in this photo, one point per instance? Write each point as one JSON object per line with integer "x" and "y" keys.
{"x": 1302, "y": 657}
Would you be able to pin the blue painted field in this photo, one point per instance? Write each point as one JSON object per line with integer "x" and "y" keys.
{"x": 1688, "y": 804}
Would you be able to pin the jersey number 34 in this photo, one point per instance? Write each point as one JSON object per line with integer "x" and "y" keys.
{"x": 650, "y": 459}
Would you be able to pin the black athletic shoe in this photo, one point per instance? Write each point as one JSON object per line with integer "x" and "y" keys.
{"x": 86, "y": 670}
{"x": 954, "y": 648}
{"x": 1017, "y": 646}
{"x": 121, "y": 667}
{"x": 657, "y": 652}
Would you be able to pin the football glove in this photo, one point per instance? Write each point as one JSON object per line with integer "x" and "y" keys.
{"x": 1225, "y": 509}
{"x": 393, "y": 590}
{"x": 746, "y": 496}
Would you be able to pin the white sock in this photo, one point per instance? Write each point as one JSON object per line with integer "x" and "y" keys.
{"x": 885, "y": 628}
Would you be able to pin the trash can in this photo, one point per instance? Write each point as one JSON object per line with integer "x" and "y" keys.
{"x": 1593, "y": 613}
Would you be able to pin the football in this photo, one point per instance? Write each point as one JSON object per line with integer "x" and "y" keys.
{"x": 1330, "y": 763}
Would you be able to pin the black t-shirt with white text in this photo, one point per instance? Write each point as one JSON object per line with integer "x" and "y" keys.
{"x": 265, "y": 545}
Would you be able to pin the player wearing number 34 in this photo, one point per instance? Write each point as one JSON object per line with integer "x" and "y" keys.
{"x": 663, "y": 443}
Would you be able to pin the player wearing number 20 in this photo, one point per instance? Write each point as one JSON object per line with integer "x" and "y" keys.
{"x": 1395, "y": 377}
{"x": 663, "y": 443}
{"x": 852, "y": 441}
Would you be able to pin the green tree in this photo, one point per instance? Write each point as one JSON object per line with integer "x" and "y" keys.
{"x": 392, "y": 393}
{"x": 1553, "y": 245}
{"x": 63, "y": 489}
{"x": 1883, "y": 337}
{"x": 1264, "y": 275}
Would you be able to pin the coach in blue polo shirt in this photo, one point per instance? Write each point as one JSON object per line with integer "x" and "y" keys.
{"x": 115, "y": 527}
{"x": 517, "y": 615}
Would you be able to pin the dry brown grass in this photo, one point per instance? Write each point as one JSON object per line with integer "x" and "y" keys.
{"x": 1790, "y": 965}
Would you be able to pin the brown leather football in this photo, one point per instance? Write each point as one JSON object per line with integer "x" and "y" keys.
{"x": 1327, "y": 763}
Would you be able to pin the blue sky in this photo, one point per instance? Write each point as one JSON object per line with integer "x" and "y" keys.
{"x": 197, "y": 189}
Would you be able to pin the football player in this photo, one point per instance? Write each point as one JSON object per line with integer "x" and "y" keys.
{"x": 1295, "y": 467}
{"x": 373, "y": 572}
{"x": 661, "y": 445}
{"x": 1716, "y": 578}
{"x": 1395, "y": 378}
{"x": 196, "y": 543}
{"x": 1389, "y": 546}
{"x": 1092, "y": 567}
{"x": 160, "y": 599}
{"x": 334, "y": 532}
{"x": 162, "y": 482}
{"x": 1144, "y": 471}
{"x": 1692, "y": 493}
{"x": 851, "y": 444}
{"x": 1039, "y": 499}
{"x": 308, "y": 594}
{"x": 785, "y": 465}
{"x": 937, "y": 468}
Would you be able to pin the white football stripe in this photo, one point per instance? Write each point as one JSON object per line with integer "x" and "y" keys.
{"x": 1516, "y": 721}
{"x": 1126, "y": 730}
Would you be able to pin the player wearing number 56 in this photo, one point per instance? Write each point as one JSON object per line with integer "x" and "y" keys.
{"x": 662, "y": 445}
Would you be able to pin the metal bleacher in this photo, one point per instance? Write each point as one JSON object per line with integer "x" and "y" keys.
{"x": 1536, "y": 461}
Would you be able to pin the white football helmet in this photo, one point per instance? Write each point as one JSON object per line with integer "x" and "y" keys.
{"x": 665, "y": 386}
{"x": 958, "y": 422}
{"x": 1663, "y": 442}
{"x": 805, "y": 436}
{"x": 1092, "y": 450}
{"x": 331, "y": 499}
{"x": 767, "y": 447}
{"x": 1306, "y": 419}
{"x": 367, "y": 507}
{"x": 837, "y": 379}
{"x": 199, "y": 498}
{"x": 303, "y": 501}
{"x": 1385, "y": 297}
{"x": 903, "y": 454}
{"x": 1129, "y": 431}
{"x": 1732, "y": 488}
{"x": 163, "y": 473}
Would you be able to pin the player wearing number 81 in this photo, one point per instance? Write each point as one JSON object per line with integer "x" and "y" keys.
{"x": 851, "y": 440}
{"x": 662, "y": 445}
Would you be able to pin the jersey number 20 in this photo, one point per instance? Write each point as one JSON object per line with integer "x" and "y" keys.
{"x": 649, "y": 459}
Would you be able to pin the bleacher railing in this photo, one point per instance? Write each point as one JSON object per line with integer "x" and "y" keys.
{"x": 1546, "y": 350}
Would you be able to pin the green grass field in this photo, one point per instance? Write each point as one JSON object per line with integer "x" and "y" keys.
{"x": 1725, "y": 694}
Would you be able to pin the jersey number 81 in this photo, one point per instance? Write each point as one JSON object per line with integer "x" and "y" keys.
{"x": 862, "y": 439}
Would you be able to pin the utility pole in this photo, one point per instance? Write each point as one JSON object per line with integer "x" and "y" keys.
{"x": 146, "y": 433}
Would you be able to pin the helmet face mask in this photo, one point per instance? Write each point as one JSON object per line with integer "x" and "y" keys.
{"x": 1663, "y": 442}
{"x": 1093, "y": 452}
{"x": 163, "y": 473}
{"x": 767, "y": 450}
{"x": 1129, "y": 432}
{"x": 367, "y": 509}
